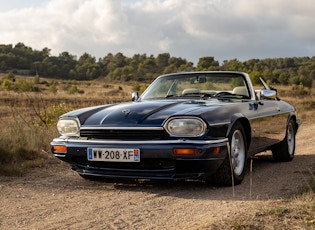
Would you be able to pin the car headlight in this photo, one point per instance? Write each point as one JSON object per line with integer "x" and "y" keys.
{"x": 185, "y": 127}
{"x": 68, "y": 127}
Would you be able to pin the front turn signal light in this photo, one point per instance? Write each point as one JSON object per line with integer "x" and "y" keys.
{"x": 185, "y": 151}
{"x": 60, "y": 149}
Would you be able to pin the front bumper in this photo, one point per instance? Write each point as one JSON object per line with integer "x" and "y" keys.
{"x": 157, "y": 160}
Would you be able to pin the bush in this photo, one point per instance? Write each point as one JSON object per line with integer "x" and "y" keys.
{"x": 49, "y": 116}
{"x": 11, "y": 77}
{"x": 74, "y": 89}
{"x": 25, "y": 86}
{"x": 53, "y": 88}
{"x": 139, "y": 87}
{"x": 7, "y": 85}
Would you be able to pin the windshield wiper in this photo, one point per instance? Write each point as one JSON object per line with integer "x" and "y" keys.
{"x": 191, "y": 94}
{"x": 230, "y": 95}
{"x": 171, "y": 95}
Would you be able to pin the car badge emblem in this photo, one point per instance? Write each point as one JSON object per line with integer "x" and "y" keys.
{"x": 126, "y": 112}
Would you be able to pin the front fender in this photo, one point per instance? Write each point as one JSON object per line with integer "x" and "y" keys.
{"x": 238, "y": 117}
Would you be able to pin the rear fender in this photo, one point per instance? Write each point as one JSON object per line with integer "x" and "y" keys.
{"x": 296, "y": 121}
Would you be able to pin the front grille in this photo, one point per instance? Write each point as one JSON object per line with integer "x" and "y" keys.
{"x": 124, "y": 134}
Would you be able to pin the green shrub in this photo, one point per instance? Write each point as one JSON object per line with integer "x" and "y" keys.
{"x": 139, "y": 87}
{"x": 49, "y": 116}
{"x": 53, "y": 87}
{"x": 11, "y": 77}
{"x": 73, "y": 89}
{"x": 25, "y": 86}
{"x": 7, "y": 85}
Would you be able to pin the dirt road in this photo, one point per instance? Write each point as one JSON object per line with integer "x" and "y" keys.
{"x": 53, "y": 197}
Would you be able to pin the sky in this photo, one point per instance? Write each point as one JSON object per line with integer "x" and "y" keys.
{"x": 190, "y": 29}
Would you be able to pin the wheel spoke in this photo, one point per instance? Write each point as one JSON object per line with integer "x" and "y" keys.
{"x": 290, "y": 138}
{"x": 284, "y": 151}
{"x": 238, "y": 152}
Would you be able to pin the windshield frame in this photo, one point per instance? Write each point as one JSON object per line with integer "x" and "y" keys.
{"x": 173, "y": 78}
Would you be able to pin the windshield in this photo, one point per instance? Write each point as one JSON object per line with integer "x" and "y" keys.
{"x": 227, "y": 85}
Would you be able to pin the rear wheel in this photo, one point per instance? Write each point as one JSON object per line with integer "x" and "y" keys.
{"x": 284, "y": 151}
{"x": 235, "y": 160}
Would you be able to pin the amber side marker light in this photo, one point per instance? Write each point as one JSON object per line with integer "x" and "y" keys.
{"x": 60, "y": 149}
{"x": 185, "y": 151}
{"x": 217, "y": 150}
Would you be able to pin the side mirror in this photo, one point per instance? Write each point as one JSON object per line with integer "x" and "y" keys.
{"x": 268, "y": 94}
{"x": 135, "y": 96}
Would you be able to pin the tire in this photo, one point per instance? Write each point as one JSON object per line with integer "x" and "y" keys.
{"x": 284, "y": 151}
{"x": 237, "y": 157}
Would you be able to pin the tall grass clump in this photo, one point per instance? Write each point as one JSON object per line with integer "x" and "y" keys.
{"x": 25, "y": 138}
{"x": 20, "y": 148}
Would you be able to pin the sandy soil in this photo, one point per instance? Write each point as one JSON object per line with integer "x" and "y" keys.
{"x": 53, "y": 197}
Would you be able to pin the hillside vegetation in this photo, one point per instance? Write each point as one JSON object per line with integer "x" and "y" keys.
{"x": 23, "y": 60}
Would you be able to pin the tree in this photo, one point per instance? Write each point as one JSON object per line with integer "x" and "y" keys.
{"x": 162, "y": 61}
{"x": 233, "y": 65}
{"x": 207, "y": 63}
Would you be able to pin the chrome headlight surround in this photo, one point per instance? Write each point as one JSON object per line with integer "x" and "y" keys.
{"x": 185, "y": 126}
{"x": 68, "y": 127}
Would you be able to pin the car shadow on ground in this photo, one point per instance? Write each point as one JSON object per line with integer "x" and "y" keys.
{"x": 264, "y": 179}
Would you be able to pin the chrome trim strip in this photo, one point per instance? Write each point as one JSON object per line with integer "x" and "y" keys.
{"x": 179, "y": 141}
{"x": 119, "y": 128}
{"x": 269, "y": 115}
{"x": 219, "y": 124}
{"x": 59, "y": 155}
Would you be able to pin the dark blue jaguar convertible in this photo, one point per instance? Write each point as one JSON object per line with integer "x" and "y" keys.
{"x": 190, "y": 125}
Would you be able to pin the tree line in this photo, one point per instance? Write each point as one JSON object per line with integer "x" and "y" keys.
{"x": 21, "y": 59}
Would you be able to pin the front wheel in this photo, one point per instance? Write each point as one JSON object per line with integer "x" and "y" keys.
{"x": 235, "y": 160}
{"x": 284, "y": 151}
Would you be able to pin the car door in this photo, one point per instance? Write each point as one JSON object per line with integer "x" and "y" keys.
{"x": 272, "y": 123}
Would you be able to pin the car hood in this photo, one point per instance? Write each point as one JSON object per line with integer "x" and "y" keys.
{"x": 145, "y": 113}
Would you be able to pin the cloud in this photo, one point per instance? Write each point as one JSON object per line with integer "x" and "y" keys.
{"x": 224, "y": 29}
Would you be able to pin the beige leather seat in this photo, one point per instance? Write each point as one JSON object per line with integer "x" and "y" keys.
{"x": 190, "y": 91}
{"x": 240, "y": 90}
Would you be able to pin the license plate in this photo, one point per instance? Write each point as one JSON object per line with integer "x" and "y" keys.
{"x": 113, "y": 155}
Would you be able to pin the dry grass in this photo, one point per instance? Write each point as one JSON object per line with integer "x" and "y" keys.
{"x": 295, "y": 213}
